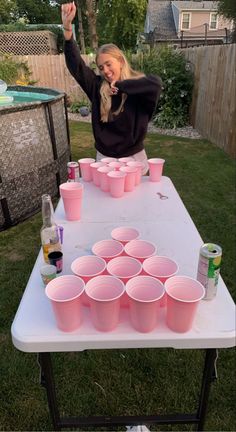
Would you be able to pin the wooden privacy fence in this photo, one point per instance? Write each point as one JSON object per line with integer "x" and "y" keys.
{"x": 213, "y": 111}
{"x": 51, "y": 71}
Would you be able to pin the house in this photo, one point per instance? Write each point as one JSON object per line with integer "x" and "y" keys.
{"x": 185, "y": 23}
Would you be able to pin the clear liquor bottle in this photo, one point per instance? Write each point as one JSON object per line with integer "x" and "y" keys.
{"x": 49, "y": 233}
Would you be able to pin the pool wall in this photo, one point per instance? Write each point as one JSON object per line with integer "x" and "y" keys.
{"x": 34, "y": 151}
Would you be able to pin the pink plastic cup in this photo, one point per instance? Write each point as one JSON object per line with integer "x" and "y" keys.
{"x": 87, "y": 267}
{"x": 139, "y": 166}
{"x": 115, "y": 165}
{"x": 102, "y": 172}
{"x": 162, "y": 268}
{"x": 124, "y": 267}
{"x": 104, "y": 294}
{"x": 145, "y": 293}
{"x": 183, "y": 297}
{"x": 155, "y": 169}
{"x": 95, "y": 175}
{"x": 65, "y": 294}
{"x": 107, "y": 160}
{"x": 116, "y": 181}
{"x": 126, "y": 159}
{"x": 85, "y": 169}
{"x": 124, "y": 234}
{"x": 140, "y": 249}
{"x": 108, "y": 249}
{"x": 130, "y": 179}
{"x": 72, "y": 194}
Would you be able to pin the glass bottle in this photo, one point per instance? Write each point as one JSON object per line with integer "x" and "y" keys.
{"x": 49, "y": 232}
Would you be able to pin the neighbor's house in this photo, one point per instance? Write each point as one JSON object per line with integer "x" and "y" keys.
{"x": 185, "y": 23}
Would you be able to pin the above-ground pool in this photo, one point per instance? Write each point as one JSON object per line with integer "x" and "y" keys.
{"x": 34, "y": 150}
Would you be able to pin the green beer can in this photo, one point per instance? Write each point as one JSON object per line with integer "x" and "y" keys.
{"x": 209, "y": 268}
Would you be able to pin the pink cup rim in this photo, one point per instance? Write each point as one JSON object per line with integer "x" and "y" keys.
{"x": 105, "y": 169}
{"x": 136, "y": 164}
{"x": 126, "y": 159}
{"x": 90, "y": 257}
{"x": 114, "y": 233}
{"x": 116, "y": 174}
{"x": 109, "y": 159}
{"x": 97, "y": 164}
{"x": 156, "y": 257}
{"x": 128, "y": 169}
{"x": 115, "y": 164}
{"x": 93, "y": 281}
{"x": 60, "y": 281}
{"x": 86, "y": 160}
{"x": 177, "y": 280}
{"x": 156, "y": 161}
{"x": 71, "y": 186}
{"x": 124, "y": 258}
{"x": 120, "y": 250}
{"x": 136, "y": 255}
{"x": 136, "y": 279}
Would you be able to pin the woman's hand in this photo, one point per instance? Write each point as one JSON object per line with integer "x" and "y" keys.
{"x": 68, "y": 11}
{"x": 114, "y": 89}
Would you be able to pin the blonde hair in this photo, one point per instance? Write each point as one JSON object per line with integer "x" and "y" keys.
{"x": 126, "y": 73}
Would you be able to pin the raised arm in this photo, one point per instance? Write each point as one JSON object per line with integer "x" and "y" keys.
{"x": 76, "y": 65}
{"x": 68, "y": 11}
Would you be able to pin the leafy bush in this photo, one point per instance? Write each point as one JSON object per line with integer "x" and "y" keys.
{"x": 14, "y": 72}
{"x": 75, "y": 106}
{"x": 13, "y": 27}
{"x": 173, "y": 107}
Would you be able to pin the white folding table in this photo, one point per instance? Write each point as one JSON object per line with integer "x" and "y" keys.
{"x": 165, "y": 222}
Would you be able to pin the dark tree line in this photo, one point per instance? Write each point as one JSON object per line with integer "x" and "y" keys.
{"x": 96, "y": 22}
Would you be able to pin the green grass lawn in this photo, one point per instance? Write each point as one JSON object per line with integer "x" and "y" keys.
{"x": 121, "y": 381}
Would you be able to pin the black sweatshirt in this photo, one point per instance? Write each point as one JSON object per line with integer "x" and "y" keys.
{"x": 124, "y": 134}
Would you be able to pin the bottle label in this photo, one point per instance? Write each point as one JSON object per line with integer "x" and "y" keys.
{"x": 50, "y": 247}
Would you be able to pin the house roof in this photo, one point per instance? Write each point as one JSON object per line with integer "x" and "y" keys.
{"x": 196, "y": 5}
{"x": 161, "y": 19}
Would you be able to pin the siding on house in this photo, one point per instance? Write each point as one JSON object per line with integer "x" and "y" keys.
{"x": 200, "y": 14}
{"x": 164, "y": 20}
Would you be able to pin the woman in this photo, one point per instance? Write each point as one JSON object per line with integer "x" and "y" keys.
{"x": 123, "y": 100}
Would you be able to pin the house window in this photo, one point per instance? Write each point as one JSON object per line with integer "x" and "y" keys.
{"x": 213, "y": 21}
{"x": 185, "y": 21}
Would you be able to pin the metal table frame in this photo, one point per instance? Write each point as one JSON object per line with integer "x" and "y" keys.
{"x": 198, "y": 418}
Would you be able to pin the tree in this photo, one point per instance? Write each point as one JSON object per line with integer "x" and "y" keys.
{"x": 80, "y": 25}
{"x": 227, "y": 8}
{"x": 91, "y": 13}
{"x": 39, "y": 11}
{"x": 120, "y": 22}
{"x": 8, "y": 11}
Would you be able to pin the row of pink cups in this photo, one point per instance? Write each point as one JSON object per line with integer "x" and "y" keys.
{"x": 115, "y": 177}
{"x": 144, "y": 294}
{"x": 119, "y": 175}
{"x": 125, "y": 272}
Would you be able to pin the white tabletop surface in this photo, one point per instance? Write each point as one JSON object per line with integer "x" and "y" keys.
{"x": 164, "y": 222}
